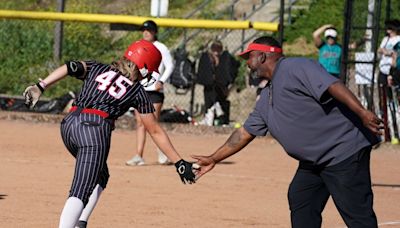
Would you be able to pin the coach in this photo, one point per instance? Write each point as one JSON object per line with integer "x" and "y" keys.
{"x": 319, "y": 122}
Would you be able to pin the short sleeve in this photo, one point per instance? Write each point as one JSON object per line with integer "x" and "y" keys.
{"x": 314, "y": 78}
{"x": 321, "y": 45}
{"x": 384, "y": 42}
{"x": 89, "y": 65}
{"x": 255, "y": 123}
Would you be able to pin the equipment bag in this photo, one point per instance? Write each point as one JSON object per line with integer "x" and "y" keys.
{"x": 182, "y": 76}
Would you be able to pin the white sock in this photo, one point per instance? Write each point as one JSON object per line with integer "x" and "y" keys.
{"x": 87, "y": 211}
{"x": 72, "y": 209}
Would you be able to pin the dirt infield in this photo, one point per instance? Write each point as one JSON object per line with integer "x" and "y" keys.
{"x": 248, "y": 190}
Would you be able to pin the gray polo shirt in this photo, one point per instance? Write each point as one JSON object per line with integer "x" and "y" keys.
{"x": 311, "y": 127}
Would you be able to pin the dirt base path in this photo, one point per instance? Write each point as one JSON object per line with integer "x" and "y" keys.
{"x": 248, "y": 190}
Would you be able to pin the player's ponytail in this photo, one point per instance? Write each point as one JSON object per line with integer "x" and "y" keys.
{"x": 127, "y": 69}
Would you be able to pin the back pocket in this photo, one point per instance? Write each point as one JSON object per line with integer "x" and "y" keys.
{"x": 90, "y": 123}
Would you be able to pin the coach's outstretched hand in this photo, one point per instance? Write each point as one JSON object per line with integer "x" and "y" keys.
{"x": 204, "y": 163}
{"x": 185, "y": 171}
{"x": 32, "y": 94}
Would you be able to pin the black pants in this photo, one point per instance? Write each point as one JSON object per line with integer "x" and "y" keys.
{"x": 217, "y": 93}
{"x": 209, "y": 96}
{"x": 349, "y": 184}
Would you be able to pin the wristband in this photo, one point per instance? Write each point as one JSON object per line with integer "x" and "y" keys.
{"x": 39, "y": 85}
{"x": 43, "y": 84}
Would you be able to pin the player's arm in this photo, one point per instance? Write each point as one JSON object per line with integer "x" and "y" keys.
{"x": 394, "y": 59}
{"x": 317, "y": 34}
{"x": 33, "y": 92}
{"x": 236, "y": 141}
{"x": 162, "y": 140}
{"x": 159, "y": 136}
{"x": 382, "y": 50}
{"x": 168, "y": 63}
{"x": 345, "y": 96}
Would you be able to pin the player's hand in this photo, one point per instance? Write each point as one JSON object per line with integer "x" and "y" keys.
{"x": 205, "y": 163}
{"x": 32, "y": 94}
{"x": 159, "y": 85}
{"x": 372, "y": 122}
{"x": 390, "y": 80}
{"x": 185, "y": 171}
{"x": 328, "y": 26}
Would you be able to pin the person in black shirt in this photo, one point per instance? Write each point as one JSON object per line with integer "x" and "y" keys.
{"x": 217, "y": 71}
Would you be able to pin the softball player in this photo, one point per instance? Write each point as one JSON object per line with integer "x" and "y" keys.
{"x": 108, "y": 91}
{"x": 154, "y": 91}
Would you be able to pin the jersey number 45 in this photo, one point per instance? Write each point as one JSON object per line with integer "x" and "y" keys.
{"x": 118, "y": 88}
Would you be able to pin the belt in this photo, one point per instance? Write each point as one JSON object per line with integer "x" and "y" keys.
{"x": 89, "y": 110}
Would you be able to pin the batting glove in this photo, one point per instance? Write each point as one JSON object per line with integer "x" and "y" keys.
{"x": 32, "y": 94}
{"x": 185, "y": 171}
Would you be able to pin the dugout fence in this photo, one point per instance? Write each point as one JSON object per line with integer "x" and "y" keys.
{"x": 28, "y": 43}
{"x": 29, "y": 40}
{"x": 364, "y": 30}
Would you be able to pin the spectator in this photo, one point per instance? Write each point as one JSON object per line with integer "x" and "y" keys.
{"x": 385, "y": 51}
{"x": 394, "y": 83}
{"x": 257, "y": 82}
{"x": 320, "y": 123}
{"x": 154, "y": 91}
{"x": 394, "y": 77}
{"x": 329, "y": 50}
{"x": 217, "y": 71}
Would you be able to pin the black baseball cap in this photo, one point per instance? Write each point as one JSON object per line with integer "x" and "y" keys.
{"x": 149, "y": 25}
{"x": 393, "y": 25}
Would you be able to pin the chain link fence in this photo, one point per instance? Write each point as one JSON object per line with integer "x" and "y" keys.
{"x": 27, "y": 54}
{"x": 364, "y": 31}
{"x": 31, "y": 49}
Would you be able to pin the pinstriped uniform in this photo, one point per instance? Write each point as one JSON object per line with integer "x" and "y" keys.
{"x": 87, "y": 136}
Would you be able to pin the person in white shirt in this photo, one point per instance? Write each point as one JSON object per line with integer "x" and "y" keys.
{"x": 155, "y": 90}
{"x": 385, "y": 52}
{"x": 386, "y": 47}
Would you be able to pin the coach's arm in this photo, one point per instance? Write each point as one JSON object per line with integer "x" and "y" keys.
{"x": 341, "y": 93}
{"x": 236, "y": 141}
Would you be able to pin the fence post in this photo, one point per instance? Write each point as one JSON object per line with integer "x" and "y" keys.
{"x": 346, "y": 37}
{"x": 58, "y": 33}
{"x": 281, "y": 19}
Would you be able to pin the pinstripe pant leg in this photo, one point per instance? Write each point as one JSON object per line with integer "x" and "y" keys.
{"x": 66, "y": 128}
{"x": 92, "y": 135}
{"x": 104, "y": 176}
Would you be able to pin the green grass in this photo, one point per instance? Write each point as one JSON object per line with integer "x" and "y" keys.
{"x": 320, "y": 12}
{"x": 26, "y": 47}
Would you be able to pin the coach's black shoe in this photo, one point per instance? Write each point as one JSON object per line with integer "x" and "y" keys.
{"x": 81, "y": 224}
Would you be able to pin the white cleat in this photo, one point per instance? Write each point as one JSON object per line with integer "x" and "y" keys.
{"x": 136, "y": 160}
{"x": 162, "y": 159}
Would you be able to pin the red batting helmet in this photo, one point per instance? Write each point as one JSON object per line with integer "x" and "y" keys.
{"x": 144, "y": 54}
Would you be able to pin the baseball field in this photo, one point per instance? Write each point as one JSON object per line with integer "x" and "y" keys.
{"x": 247, "y": 190}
